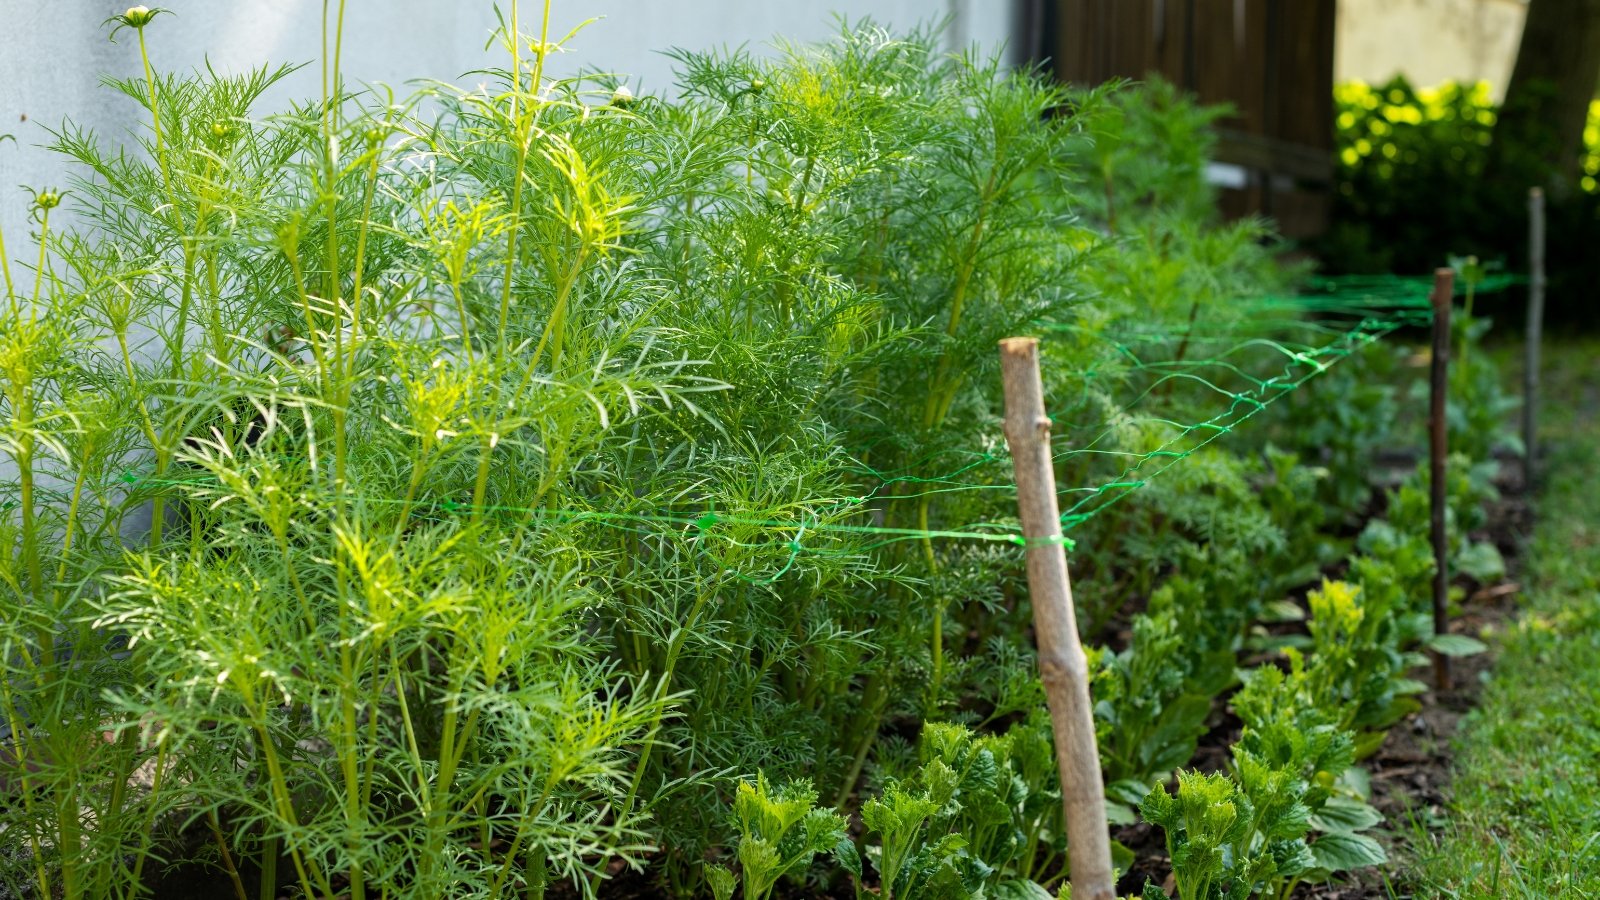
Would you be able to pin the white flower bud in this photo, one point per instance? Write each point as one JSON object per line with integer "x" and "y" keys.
{"x": 622, "y": 98}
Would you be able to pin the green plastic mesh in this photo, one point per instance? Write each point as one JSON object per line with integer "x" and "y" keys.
{"x": 1264, "y": 349}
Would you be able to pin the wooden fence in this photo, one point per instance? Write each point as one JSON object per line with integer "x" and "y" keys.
{"x": 1271, "y": 59}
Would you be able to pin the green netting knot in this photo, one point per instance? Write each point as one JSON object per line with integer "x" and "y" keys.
{"x": 1059, "y": 540}
{"x": 450, "y": 506}
{"x": 128, "y": 477}
{"x": 706, "y": 521}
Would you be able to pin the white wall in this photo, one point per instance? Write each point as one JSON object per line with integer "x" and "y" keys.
{"x": 53, "y": 52}
{"x": 1428, "y": 41}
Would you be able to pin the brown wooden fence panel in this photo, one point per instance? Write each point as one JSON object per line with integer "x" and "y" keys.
{"x": 1272, "y": 60}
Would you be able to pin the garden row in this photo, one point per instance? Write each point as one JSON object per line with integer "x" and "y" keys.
{"x": 485, "y": 493}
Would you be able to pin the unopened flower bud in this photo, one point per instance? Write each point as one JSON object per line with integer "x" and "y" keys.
{"x": 138, "y": 16}
{"x": 622, "y": 98}
{"x": 47, "y": 199}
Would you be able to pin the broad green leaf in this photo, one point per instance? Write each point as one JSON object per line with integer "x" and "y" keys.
{"x": 1481, "y": 561}
{"x": 1120, "y": 813}
{"x": 1368, "y": 742}
{"x": 1122, "y": 858}
{"x": 844, "y": 853}
{"x": 1127, "y": 790}
{"x": 1173, "y": 742}
{"x": 1020, "y": 889}
{"x": 1408, "y": 686}
{"x": 1456, "y": 645}
{"x": 1283, "y": 611}
{"x": 1345, "y": 814}
{"x": 1271, "y": 642}
{"x": 1342, "y": 852}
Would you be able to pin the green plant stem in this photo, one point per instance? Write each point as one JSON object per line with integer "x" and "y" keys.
{"x": 308, "y": 614}
{"x": 937, "y": 407}
{"x": 663, "y": 691}
{"x": 307, "y": 314}
{"x": 68, "y": 531}
{"x": 5, "y": 270}
{"x": 544, "y": 50}
{"x": 358, "y": 273}
{"x": 529, "y": 814}
{"x": 480, "y": 481}
{"x": 332, "y": 95}
{"x": 515, "y": 228}
{"x": 177, "y": 344}
{"x": 147, "y": 834}
{"x": 936, "y": 679}
{"x": 452, "y": 747}
{"x": 158, "y": 505}
{"x": 461, "y": 314}
{"x": 227, "y": 856}
{"x": 931, "y": 415}
{"x": 155, "y": 116}
{"x": 284, "y": 802}
{"x": 558, "y": 321}
{"x": 355, "y": 809}
{"x": 22, "y": 737}
{"x": 375, "y": 677}
{"x": 873, "y": 697}
{"x": 122, "y": 769}
{"x": 202, "y": 212}
{"x": 418, "y": 466}
{"x": 32, "y": 559}
{"x": 270, "y": 851}
{"x": 44, "y": 246}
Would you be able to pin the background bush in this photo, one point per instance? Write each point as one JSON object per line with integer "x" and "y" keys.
{"x": 1418, "y": 181}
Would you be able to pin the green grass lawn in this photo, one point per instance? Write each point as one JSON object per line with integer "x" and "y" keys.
{"x": 1526, "y": 813}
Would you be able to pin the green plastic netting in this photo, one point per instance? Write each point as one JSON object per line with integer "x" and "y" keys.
{"x": 1264, "y": 349}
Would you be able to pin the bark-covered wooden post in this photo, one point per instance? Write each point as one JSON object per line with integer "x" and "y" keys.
{"x": 1062, "y": 665}
{"x": 1530, "y": 367}
{"x": 1438, "y": 450}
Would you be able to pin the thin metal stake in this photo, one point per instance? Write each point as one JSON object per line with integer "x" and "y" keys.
{"x": 1438, "y": 449}
{"x": 1530, "y": 368}
{"x": 1062, "y": 665}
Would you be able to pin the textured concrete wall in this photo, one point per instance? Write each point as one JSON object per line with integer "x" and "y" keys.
{"x": 54, "y": 52}
{"x": 1428, "y": 41}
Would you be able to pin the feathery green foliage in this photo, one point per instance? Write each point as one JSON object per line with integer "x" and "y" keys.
{"x": 457, "y": 493}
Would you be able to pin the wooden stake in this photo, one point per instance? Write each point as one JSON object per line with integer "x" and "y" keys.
{"x": 1062, "y": 666}
{"x": 1530, "y": 368}
{"x": 1438, "y": 439}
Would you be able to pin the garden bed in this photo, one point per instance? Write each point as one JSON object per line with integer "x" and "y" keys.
{"x": 554, "y": 491}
